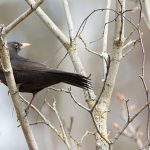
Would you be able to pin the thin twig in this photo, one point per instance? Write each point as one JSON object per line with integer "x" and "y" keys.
{"x": 38, "y": 122}
{"x": 131, "y": 119}
{"x": 89, "y": 110}
{"x": 127, "y": 108}
{"x": 127, "y": 52}
{"x": 82, "y": 26}
{"x": 130, "y": 43}
{"x": 143, "y": 64}
{"x": 47, "y": 122}
{"x": 133, "y": 132}
{"x": 85, "y": 135}
{"x": 72, "y": 96}
{"x": 61, "y": 60}
{"x": 128, "y": 38}
{"x": 143, "y": 72}
{"x": 65, "y": 137}
{"x": 88, "y": 49}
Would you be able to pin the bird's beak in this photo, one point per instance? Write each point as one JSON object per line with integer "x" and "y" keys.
{"x": 23, "y": 45}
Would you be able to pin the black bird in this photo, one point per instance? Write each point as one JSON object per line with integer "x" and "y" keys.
{"x": 32, "y": 77}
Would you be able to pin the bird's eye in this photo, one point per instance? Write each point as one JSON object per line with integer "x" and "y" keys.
{"x": 16, "y": 46}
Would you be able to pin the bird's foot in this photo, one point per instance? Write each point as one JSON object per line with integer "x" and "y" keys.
{"x": 8, "y": 92}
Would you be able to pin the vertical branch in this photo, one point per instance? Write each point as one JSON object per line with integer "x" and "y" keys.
{"x": 116, "y": 55}
{"x": 69, "y": 20}
{"x": 73, "y": 52}
{"x": 142, "y": 76}
{"x": 147, "y": 16}
{"x": 89, "y": 95}
{"x": 147, "y": 5}
{"x": 75, "y": 58}
{"x": 8, "y": 72}
{"x": 119, "y": 24}
{"x": 105, "y": 38}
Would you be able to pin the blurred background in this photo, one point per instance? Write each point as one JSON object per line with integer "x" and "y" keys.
{"x": 45, "y": 48}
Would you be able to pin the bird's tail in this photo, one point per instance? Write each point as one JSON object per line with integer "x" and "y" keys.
{"x": 74, "y": 79}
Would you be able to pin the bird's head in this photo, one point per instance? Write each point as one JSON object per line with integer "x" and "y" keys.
{"x": 15, "y": 47}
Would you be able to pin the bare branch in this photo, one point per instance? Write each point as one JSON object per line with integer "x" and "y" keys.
{"x": 143, "y": 71}
{"x": 147, "y": 5}
{"x": 72, "y": 96}
{"x": 51, "y": 25}
{"x": 131, "y": 119}
{"x": 62, "y": 60}
{"x": 8, "y": 72}
{"x": 105, "y": 38}
{"x": 65, "y": 137}
{"x": 127, "y": 108}
{"x": 46, "y": 121}
{"x": 130, "y": 43}
{"x": 85, "y": 135}
{"x": 69, "y": 20}
{"x": 82, "y": 26}
{"x": 91, "y": 111}
{"x": 89, "y": 50}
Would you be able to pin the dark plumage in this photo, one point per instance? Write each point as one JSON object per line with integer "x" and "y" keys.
{"x": 32, "y": 76}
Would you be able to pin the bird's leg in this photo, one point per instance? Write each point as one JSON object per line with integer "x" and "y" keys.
{"x": 27, "y": 109}
{"x": 8, "y": 92}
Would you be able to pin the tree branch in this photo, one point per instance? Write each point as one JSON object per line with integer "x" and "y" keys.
{"x": 105, "y": 39}
{"x": 45, "y": 120}
{"x": 129, "y": 121}
{"x": 51, "y": 25}
{"x": 8, "y": 72}
{"x": 65, "y": 137}
{"x": 69, "y": 20}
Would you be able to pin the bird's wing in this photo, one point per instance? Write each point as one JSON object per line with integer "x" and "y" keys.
{"x": 33, "y": 77}
{"x": 25, "y": 64}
